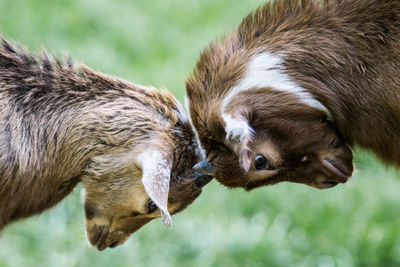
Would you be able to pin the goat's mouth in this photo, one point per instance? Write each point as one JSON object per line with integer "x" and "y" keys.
{"x": 321, "y": 183}
{"x": 101, "y": 237}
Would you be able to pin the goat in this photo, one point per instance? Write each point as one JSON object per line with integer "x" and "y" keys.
{"x": 132, "y": 147}
{"x": 288, "y": 92}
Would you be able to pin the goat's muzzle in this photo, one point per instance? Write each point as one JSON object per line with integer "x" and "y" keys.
{"x": 98, "y": 235}
{"x": 338, "y": 166}
{"x": 101, "y": 237}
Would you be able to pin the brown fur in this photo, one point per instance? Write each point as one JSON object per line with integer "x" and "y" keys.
{"x": 60, "y": 125}
{"x": 346, "y": 53}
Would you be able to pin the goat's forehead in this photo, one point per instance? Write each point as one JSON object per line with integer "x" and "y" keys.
{"x": 265, "y": 145}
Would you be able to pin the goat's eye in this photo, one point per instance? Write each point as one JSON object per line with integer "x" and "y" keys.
{"x": 151, "y": 206}
{"x": 326, "y": 119}
{"x": 260, "y": 162}
{"x": 135, "y": 213}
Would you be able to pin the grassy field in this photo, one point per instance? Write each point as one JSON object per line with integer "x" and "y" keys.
{"x": 157, "y": 43}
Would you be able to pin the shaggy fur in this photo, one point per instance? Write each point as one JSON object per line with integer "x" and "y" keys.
{"x": 60, "y": 125}
{"x": 345, "y": 53}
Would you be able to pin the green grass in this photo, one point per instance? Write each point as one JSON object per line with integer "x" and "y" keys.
{"x": 157, "y": 43}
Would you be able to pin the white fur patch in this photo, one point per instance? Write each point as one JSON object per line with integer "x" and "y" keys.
{"x": 236, "y": 128}
{"x": 265, "y": 70}
{"x": 156, "y": 172}
{"x": 187, "y": 104}
{"x": 181, "y": 112}
{"x": 199, "y": 151}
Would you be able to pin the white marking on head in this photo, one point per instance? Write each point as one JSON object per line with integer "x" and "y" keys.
{"x": 181, "y": 113}
{"x": 186, "y": 101}
{"x": 264, "y": 70}
{"x": 199, "y": 151}
{"x": 236, "y": 128}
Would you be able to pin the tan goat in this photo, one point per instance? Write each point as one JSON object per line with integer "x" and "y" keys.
{"x": 132, "y": 147}
{"x": 283, "y": 96}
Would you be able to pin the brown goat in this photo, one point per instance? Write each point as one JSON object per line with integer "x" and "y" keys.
{"x": 132, "y": 147}
{"x": 283, "y": 96}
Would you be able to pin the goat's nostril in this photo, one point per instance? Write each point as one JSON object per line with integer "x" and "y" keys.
{"x": 95, "y": 234}
{"x": 338, "y": 168}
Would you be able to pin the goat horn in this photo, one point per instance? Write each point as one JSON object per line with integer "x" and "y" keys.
{"x": 201, "y": 179}
{"x": 205, "y": 167}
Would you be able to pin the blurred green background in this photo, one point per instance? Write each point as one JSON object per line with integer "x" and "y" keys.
{"x": 157, "y": 43}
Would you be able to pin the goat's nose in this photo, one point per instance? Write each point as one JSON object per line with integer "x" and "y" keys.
{"x": 98, "y": 235}
{"x": 337, "y": 166}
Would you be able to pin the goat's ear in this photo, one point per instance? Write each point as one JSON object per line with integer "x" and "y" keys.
{"x": 245, "y": 159}
{"x": 239, "y": 145}
{"x": 156, "y": 172}
{"x": 238, "y": 134}
{"x": 243, "y": 152}
{"x": 241, "y": 149}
